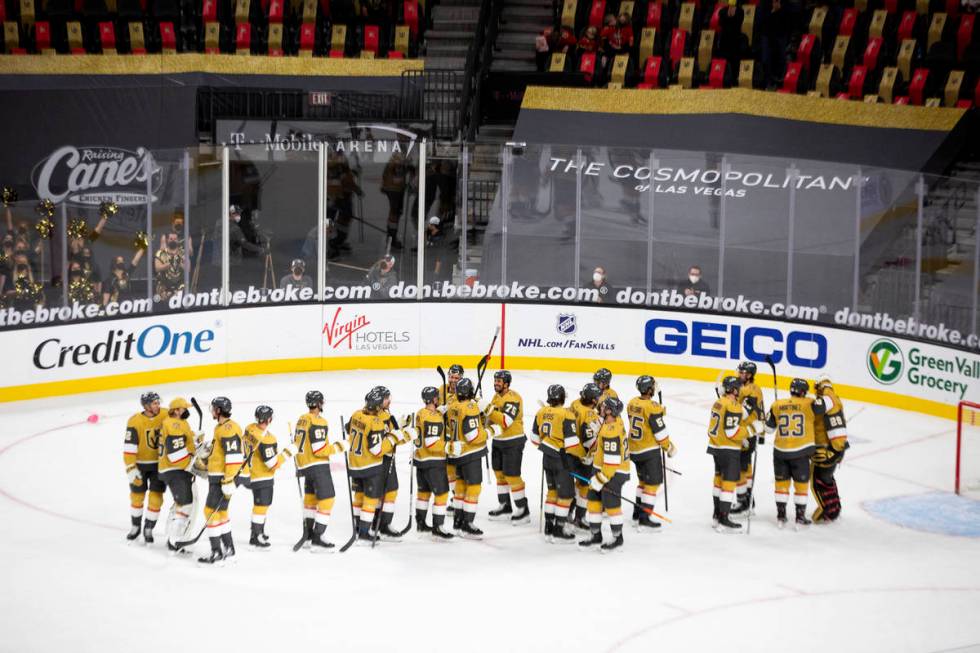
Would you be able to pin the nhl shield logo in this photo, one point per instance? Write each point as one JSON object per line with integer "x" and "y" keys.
{"x": 566, "y": 324}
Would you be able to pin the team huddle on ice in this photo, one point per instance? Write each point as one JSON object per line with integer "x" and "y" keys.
{"x": 586, "y": 448}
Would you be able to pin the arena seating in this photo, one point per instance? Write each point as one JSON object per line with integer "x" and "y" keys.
{"x": 258, "y": 27}
{"x": 897, "y": 51}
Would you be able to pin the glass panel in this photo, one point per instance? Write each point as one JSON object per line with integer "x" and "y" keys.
{"x": 443, "y": 226}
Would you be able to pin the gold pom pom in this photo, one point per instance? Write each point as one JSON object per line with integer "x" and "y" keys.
{"x": 24, "y": 288}
{"x": 77, "y": 228}
{"x": 9, "y": 196}
{"x": 142, "y": 241}
{"x": 46, "y": 208}
{"x": 45, "y": 228}
{"x": 108, "y": 209}
{"x": 80, "y": 290}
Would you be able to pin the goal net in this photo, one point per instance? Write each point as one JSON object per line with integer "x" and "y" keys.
{"x": 968, "y": 449}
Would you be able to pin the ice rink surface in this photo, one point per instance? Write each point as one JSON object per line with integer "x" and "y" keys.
{"x": 71, "y": 583}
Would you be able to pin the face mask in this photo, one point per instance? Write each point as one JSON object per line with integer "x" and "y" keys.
{"x": 76, "y": 273}
{"x": 297, "y": 271}
{"x": 597, "y": 277}
{"x": 694, "y": 278}
{"x": 178, "y": 226}
{"x": 172, "y": 244}
{"x": 22, "y": 270}
{"x": 118, "y": 266}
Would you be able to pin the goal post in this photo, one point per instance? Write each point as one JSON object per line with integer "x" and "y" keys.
{"x": 968, "y": 448}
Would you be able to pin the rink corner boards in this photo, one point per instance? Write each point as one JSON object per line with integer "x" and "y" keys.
{"x": 428, "y": 363}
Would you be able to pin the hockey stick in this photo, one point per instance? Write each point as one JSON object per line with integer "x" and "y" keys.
{"x": 663, "y": 461}
{"x": 755, "y": 454}
{"x": 185, "y": 543}
{"x": 481, "y": 367}
{"x": 541, "y": 500}
{"x": 442, "y": 375}
{"x": 411, "y": 494}
{"x": 302, "y": 497}
{"x": 632, "y": 503}
{"x": 376, "y": 522}
{"x": 350, "y": 492}
{"x": 200, "y": 413}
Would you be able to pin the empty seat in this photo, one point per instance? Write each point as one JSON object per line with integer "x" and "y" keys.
{"x": 906, "y": 26}
{"x": 654, "y": 14}
{"x": 371, "y": 38}
{"x": 586, "y": 65}
{"x": 209, "y": 11}
{"x": 917, "y": 86}
{"x": 651, "y": 73}
{"x": 411, "y": 11}
{"x": 872, "y": 52}
{"x": 275, "y": 11}
{"x": 307, "y": 38}
{"x": 857, "y": 82}
{"x": 848, "y": 21}
{"x": 243, "y": 38}
{"x": 678, "y": 44}
{"x": 716, "y": 78}
{"x": 806, "y": 51}
{"x": 168, "y": 38}
{"x": 107, "y": 37}
{"x": 793, "y": 77}
{"x": 597, "y": 12}
{"x": 964, "y": 34}
{"x": 42, "y": 35}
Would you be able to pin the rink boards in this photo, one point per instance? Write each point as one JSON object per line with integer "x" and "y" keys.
{"x": 141, "y": 352}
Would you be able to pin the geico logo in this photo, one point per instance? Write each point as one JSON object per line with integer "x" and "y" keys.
{"x": 153, "y": 341}
{"x": 719, "y": 340}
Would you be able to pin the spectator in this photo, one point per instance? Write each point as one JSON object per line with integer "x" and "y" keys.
{"x": 177, "y": 227}
{"x": 90, "y": 270}
{"x": 341, "y": 186}
{"x": 394, "y": 181}
{"x": 168, "y": 268}
{"x": 541, "y": 50}
{"x": 117, "y": 285}
{"x": 382, "y": 276}
{"x": 695, "y": 285}
{"x": 775, "y": 39}
{"x": 6, "y": 263}
{"x": 239, "y": 245}
{"x": 297, "y": 277}
{"x": 589, "y": 41}
{"x": 600, "y": 283}
{"x": 24, "y": 292}
{"x": 730, "y": 26}
{"x": 439, "y": 252}
{"x": 80, "y": 289}
{"x": 566, "y": 39}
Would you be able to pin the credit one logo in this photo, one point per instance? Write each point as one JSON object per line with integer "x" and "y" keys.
{"x": 719, "y": 340}
{"x": 155, "y": 341}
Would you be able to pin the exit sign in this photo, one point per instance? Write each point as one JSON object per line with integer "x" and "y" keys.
{"x": 320, "y": 98}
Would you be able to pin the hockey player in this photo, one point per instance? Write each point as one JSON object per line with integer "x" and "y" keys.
{"x": 140, "y": 454}
{"x": 447, "y": 397}
{"x": 468, "y": 432}
{"x": 262, "y": 452}
{"x": 602, "y": 378}
{"x": 792, "y": 421}
{"x": 729, "y": 427}
{"x": 224, "y": 460}
{"x": 586, "y": 425}
{"x": 177, "y": 447}
{"x": 554, "y": 428}
{"x": 830, "y": 437}
{"x": 507, "y": 451}
{"x": 371, "y": 444}
{"x": 429, "y": 431}
{"x": 648, "y": 439}
{"x": 751, "y": 393}
{"x": 610, "y": 470}
{"x": 313, "y": 451}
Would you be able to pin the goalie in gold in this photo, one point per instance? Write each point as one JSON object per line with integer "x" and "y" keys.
{"x": 830, "y": 437}
{"x": 177, "y": 447}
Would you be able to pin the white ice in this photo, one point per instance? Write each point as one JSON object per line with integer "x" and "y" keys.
{"x": 71, "y": 583}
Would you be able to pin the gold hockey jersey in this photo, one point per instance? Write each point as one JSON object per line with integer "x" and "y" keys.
{"x": 430, "y": 436}
{"x": 509, "y": 415}
{"x": 142, "y": 442}
{"x": 370, "y": 441}
{"x": 176, "y": 444}
{"x": 612, "y": 451}
{"x": 831, "y": 429}
{"x": 585, "y": 416}
{"x": 726, "y": 427}
{"x": 465, "y": 423}
{"x": 264, "y": 450}
{"x": 226, "y": 452}
{"x": 647, "y": 429}
{"x": 752, "y": 390}
{"x": 312, "y": 446}
{"x": 555, "y": 427}
{"x": 792, "y": 420}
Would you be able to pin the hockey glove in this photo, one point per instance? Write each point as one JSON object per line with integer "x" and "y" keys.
{"x": 598, "y": 482}
{"x": 745, "y": 444}
{"x": 486, "y": 406}
{"x": 290, "y": 449}
{"x": 134, "y": 475}
{"x": 671, "y": 450}
{"x": 587, "y": 460}
{"x": 442, "y": 409}
{"x": 595, "y": 425}
{"x": 454, "y": 449}
{"x": 342, "y": 446}
{"x": 408, "y": 421}
{"x": 228, "y": 489}
{"x": 406, "y": 436}
{"x": 493, "y": 430}
{"x": 761, "y": 439}
{"x": 199, "y": 439}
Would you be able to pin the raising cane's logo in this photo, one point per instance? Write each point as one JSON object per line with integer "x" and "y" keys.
{"x": 92, "y": 175}
{"x": 354, "y": 334}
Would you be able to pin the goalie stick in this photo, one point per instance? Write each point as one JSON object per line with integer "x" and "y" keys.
{"x": 193, "y": 540}
{"x": 200, "y": 413}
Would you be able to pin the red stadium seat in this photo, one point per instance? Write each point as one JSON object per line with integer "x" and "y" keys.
{"x": 396, "y": 54}
{"x": 964, "y": 35}
{"x": 275, "y": 11}
{"x": 964, "y": 104}
{"x": 952, "y": 8}
{"x": 597, "y": 13}
{"x": 917, "y": 87}
{"x": 715, "y": 21}
{"x": 336, "y": 54}
{"x": 804, "y": 53}
{"x": 678, "y": 41}
{"x": 42, "y": 35}
{"x": 901, "y": 99}
{"x": 243, "y": 37}
{"x": 855, "y": 86}
{"x": 891, "y": 6}
{"x": 412, "y": 16}
{"x": 651, "y": 73}
{"x": 209, "y": 11}
{"x": 107, "y": 36}
{"x": 843, "y": 96}
{"x": 371, "y": 36}
{"x": 791, "y": 80}
{"x": 307, "y": 36}
{"x": 168, "y": 37}
{"x": 586, "y": 65}
{"x": 716, "y": 77}
{"x": 655, "y": 12}
{"x": 847, "y": 22}
{"x": 976, "y": 94}
{"x": 871, "y": 53}
{"x": 906, "y": 27}
{"x": 78, "y": 51}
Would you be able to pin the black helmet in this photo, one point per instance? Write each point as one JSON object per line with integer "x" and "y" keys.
{"x": 464, "y": 389}
{"x": 314, "y": 399}
{"x": 503, "y": 375}
{"x": 799, "y": 387}
{"x": 375, "y": 397}
{"x": 602, "y": 375}
{"x": 430, "y": 394}
{"x": 148, "y": 398}
{"x": 731, "y": 385}
{"x": 223, "y": 404}
{"x": 556, "y": 395}
{"x": 613, "y": 405}
{"x": 646, "y": 384}
{"x": 456, "y": 368}
{"x": 263, "y": 414}
{"x": 590, "y": 392}
{"x": 748, "y": 367}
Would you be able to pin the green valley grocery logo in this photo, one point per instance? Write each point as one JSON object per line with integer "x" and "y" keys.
{"x": 885, "y": 361}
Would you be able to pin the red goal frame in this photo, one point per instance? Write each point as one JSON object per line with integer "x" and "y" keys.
{"x": 959, "y": 435}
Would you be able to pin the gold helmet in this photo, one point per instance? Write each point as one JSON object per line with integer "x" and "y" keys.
{"x": 179, "y": 403}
